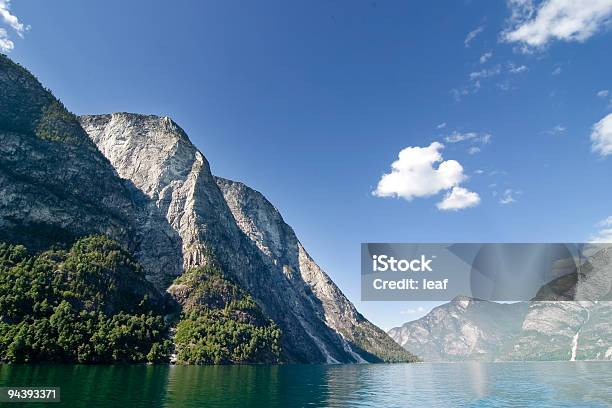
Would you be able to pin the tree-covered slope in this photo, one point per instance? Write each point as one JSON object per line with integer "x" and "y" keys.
{"x": 220, "y": 323}
{"x": 88, "y": 304}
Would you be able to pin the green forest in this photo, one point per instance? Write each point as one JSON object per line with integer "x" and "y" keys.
{"x": 92, "y": 304}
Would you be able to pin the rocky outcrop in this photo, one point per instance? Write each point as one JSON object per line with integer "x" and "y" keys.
{"x": 248, "y": 240}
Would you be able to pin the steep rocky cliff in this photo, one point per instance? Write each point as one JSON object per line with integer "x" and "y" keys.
{"x": 55, "y": 186}
{"x": 47, "y": 165}
{"x": 248, "y": 240}
{"x": 282, "y": 251}
{"x": 139, "y": 180}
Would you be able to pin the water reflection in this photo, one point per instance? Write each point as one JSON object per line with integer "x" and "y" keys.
{"x": 545, "y": 384}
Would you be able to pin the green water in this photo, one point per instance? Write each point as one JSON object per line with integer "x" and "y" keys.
{"x": 541, "y": 384}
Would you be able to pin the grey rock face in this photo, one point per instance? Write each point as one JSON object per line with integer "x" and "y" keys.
{"x": 467, "y": 329}
{"x": 284, "y": 254}
{"x": 552, "y": 326}
{"x": 247, "y": 238}
{"x": 56, "y": 186}
{"x": 464, "y": 329}
{"x": 46, "y": 189}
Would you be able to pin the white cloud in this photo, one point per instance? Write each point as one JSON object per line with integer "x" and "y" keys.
{"x": 474, "y": 83}
{"x": 456, "y": 137}
{"x": 606, "y": 222}
{"x": 473, "y": 150}
{"x": 485, "y": 57}
{"x": 556, "y": 71}
{"x": 604, "y": 235}
{"x": 458, "y": 198}
{"x": 601, "y": 136}
{"x": 413, "y": 175}
{"x": 603, "y": 93}
{"x": 471, "y": 35}
{"x": 521, "y": 10}
{"x": 564, "y": 20}
{"x": 441, "y": 125}
{"x": 508, "y": 196}
{"x": 485, "y": 73}
{"x": 516, "y": 69}
{"x": 6, "y": 44}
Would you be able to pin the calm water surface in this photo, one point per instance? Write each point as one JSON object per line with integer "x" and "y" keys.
{"x": 538, "y": 384}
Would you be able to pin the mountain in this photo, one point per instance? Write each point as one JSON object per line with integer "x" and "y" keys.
{"x": 568, "y": 319}
{"x": 226, "y": 222}
{"x": 56, "y": 186}
{"x": 464, "y": 329}
{"x": 138, "y": 181}
{"x": 476, "y": 330}
{"x": 261, "y": 222}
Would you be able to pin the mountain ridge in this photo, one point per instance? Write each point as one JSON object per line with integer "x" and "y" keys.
{"x": 138, "y": 180}
{"x": 476, "y": 330}
{"x": 158, "y": 157}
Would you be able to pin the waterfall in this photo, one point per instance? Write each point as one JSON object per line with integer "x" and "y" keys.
{"x": 577, "y": 335}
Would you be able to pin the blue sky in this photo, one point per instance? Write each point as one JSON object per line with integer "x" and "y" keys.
{"x": 311, "y": 102}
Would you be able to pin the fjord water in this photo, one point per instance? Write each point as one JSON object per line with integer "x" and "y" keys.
{"x": 541, "y": 384}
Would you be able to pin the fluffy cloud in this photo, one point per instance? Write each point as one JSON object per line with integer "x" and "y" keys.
{"x": 471, "y": 35}
{"x": 6, "y": 44}
{"x": 473, "y": 150}
{"x": 606, "y": 222}
{"x": 457, "y": 199}
{"x": 603, "y": 93}
{"x": 414, "y": 174}
{"x": 564, "y": 20}
{"x": 601, "y": 136}
{"x": 604, "y": 235}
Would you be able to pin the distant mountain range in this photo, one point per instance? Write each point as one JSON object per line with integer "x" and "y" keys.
{"x": 552, "y": 326}
{"x": 139, "y": 180}
{"x": 467, "y": 329}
